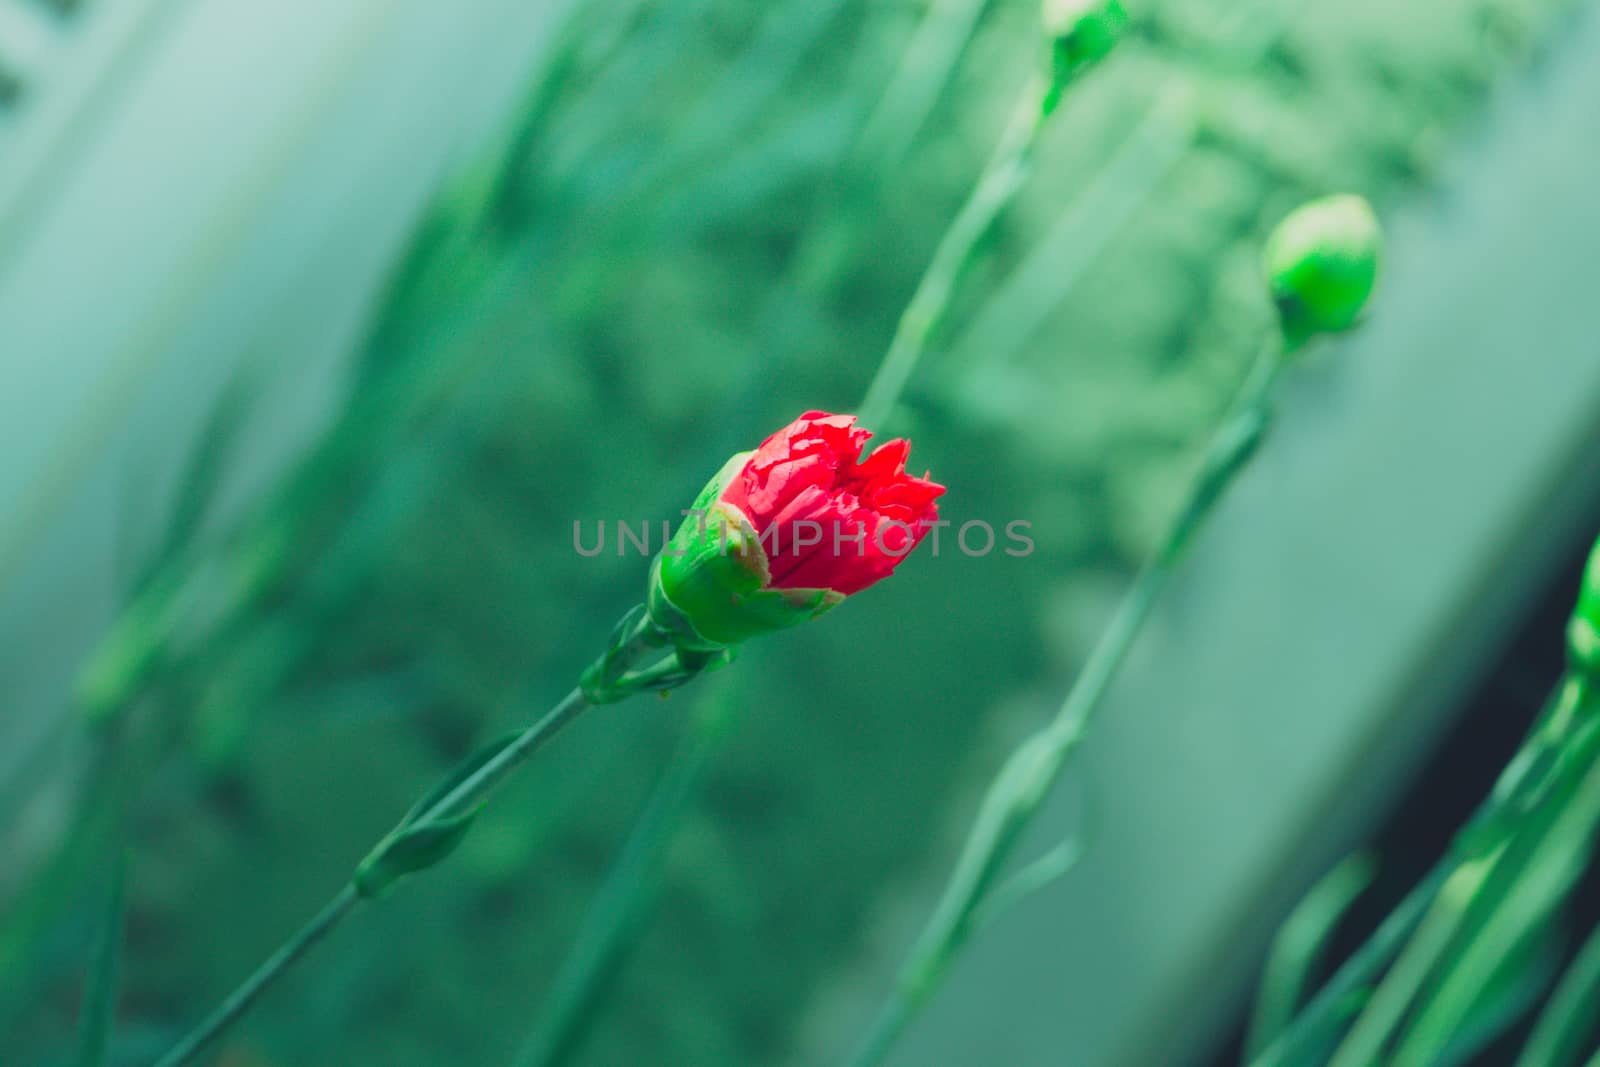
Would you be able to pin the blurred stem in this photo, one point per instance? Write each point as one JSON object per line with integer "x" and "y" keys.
{"x": 1299, "y": 945}
{"x": 240, "y": 1000}
{"x": 996, "y": 186}
{"x": 1033, "y": 768}
{"x": 462, "y": 798}
{"x": 1532, "y": 875}
{"x": 98, "y": 1016}
{"x": 1367, "y": 1038}
{"x": 614, "y": 918}
{"x": 1520, "y": 785}
{"x": 1331, "y": 1003}
{"x": 1492, "y": 851}
{"x": 1568, "y": 1019}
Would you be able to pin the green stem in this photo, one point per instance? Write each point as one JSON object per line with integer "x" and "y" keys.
{"x": 241, "y": 999}
{"x": 1331, "y": 1001}
{"x": 996, "y": 186}
{"x": 609, "y": 928}
{"x": 1518, "y": 886}
{"x": 1568, "y": 1019}
{"x": 891, "y": 1022}
{"x": 464, "y": 796}
{"x": 1035, "y": 766}
{"x": 492, "y": 773}
{"x": 1393, "y": 998}
{"x": 1298, "y": 948}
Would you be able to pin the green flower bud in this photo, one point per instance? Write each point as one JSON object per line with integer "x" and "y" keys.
{"x": 1321, "y": 263}
{"x": 1081, "y": 33}
{"x": 1583, "y": 632}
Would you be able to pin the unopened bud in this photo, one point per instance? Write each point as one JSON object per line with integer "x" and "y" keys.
{"x": 1321, "y": 264}
{"x": 1081, "y": 33}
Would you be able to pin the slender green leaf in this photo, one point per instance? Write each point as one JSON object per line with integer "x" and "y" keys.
{"x": 460, "y": 773}
{"x": 209, "y": 461}
{"x": 1040, "y": 874}
{"x": 1298, "y": 946}
{"x": 1568, "y": 1020}
{"x": 100, "y": 992}
{"x": 1515, "y": 988}
{"x": 1519, "y": 890}
{"x": 1349, "y": 990}
{"x": 411, "y": 848}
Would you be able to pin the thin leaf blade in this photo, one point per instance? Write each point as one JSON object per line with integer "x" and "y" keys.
{"x": 96, "y": 1021}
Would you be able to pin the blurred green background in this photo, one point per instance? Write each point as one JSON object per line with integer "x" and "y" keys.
{"x": 701, "y": 217}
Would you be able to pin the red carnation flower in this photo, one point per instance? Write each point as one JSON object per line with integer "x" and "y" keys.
{"x": 782, "y": 534}
{"x": 827, "y": 518}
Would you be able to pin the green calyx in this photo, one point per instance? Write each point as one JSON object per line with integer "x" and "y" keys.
{"x": 1081, "y": 33}
{"x": 709, "y": 584}
{"x": 1583, "y": 632}
{"x": 1321, "y": 264}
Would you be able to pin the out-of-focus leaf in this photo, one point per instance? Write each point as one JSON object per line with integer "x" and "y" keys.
{"x": 1516, "y": 987}
{"x": 1518, "y": 891}
{"x": 31, "y": 914}
{"x": 100, "y": 993}
{"x": 209, "y": 460}
{"x": 1304, "y": 1044}
{"x": 621, "y": 908}
{"x": 1568, "y": 1020}
{"x": 1040, "y": 874}
{"x": 1298, "y": 946}
{"x": 924, "y": 69}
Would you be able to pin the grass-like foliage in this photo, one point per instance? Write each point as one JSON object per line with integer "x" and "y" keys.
{"x": 704, "y": 217}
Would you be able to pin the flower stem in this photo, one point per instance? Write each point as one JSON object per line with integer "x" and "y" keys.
{"x": 1033, "y": 768}
{"x": 465, "y": 795}
{"x": 492, "y": 773}
{"x": 994, "y": 189}
{"x": 242, "y": 998}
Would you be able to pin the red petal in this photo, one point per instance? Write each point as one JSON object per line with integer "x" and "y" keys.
{"x": 811, "y": 470}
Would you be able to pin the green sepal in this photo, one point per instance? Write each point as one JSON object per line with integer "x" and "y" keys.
{"x": 708, "y": 583}
{"x": 419, "y": 842}
{"x": 713, "y": 609}
{"x": 410, "y": 849}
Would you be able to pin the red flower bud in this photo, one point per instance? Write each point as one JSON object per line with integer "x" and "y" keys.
{"x": 787, "y": 531}
{"x": 870, "y": 512}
